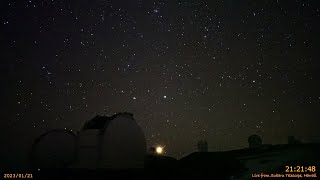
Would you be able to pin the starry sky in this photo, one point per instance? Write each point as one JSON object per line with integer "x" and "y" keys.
{"x": 187, "y": 70}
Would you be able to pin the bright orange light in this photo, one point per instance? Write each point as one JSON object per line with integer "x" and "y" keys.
{"x": 159, "y": 150}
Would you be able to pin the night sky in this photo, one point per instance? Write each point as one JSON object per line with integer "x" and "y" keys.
{"x": 187, "y": 70}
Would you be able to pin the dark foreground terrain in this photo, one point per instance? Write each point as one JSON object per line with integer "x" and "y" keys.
{"x": 235, "y": 164}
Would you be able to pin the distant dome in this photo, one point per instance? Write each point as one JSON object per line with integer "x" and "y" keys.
{"x": 111, "y": 142}
{"x": 254, "y": 141}
{"x": 54, "y": 149}
{"x": 202, "y": 146}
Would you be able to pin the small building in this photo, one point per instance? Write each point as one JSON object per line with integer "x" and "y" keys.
{"x": 254, "y": 141}
{"x": 202, "y": 146}
{"x": 293, "y": 140}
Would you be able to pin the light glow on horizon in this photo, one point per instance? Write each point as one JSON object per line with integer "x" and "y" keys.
{"x": 159, "y": 150}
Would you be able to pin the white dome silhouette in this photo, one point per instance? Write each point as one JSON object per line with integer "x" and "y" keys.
{"x": 54, "y": 149}
{"x": 115, "y": 142}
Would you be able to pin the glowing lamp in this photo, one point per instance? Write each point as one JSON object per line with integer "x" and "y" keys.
{"x": 159, "y": 150}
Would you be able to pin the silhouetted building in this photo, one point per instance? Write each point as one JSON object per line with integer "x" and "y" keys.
{"x": 54, "y": 149}
{"x": 293, "y": 140}
{"x": 202, "y": 146}
{"x": 114, "y": 142}
{"x": 254, "y": 141}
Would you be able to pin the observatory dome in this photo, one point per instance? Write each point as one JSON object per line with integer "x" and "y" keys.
{"x": 54, "y": 149}
{"x": 115, "y": 142}
{"x": 254, "y": 141}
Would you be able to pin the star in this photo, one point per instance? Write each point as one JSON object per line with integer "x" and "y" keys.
{"x": 179, "y": 67}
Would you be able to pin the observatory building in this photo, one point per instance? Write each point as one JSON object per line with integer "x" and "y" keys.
{"x": 254, "y": 141}
{"x": 115, "y": 142}
{"x": 54, "y": 149}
